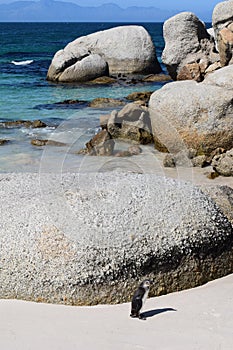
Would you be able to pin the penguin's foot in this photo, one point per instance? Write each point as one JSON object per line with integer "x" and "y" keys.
{"x": 141, "y": 317}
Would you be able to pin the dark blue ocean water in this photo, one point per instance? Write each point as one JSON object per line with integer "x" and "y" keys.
{"x": 24, "y": 89}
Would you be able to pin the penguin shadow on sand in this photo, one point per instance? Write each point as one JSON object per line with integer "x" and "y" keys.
{"x": 151, "y": 313}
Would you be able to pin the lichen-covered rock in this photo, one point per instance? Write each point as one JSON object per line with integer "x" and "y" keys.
{"x": 187, "y": 42}
{"x": 92, "y": 237}
{"x": 187, "y": 114}
{"x": 126, "y": 49}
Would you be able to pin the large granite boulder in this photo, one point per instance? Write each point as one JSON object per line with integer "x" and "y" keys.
{"x": 189, "y": 49}
{"x": 126, "y": 49}
{"x": 223, "y": 26}
{"x": 89, "y": 238}
{"x": 187, "y": 114}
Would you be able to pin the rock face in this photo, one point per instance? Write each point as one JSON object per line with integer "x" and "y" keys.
{"x": 194, "y": 115}
{"x": 223, "y": 27}
{"x": 225, "y": 46}
{"x": 127, "y": 49}
{"x": 132, "y": 122}
{"x": 223, "y": 197}
{"x": 88, "y": 68}
{"x": 222, "y": 15}
{"x": 222, "y": 77}
{"x": 101, "y": 144}
{"x": 189, "y": 49}
{"x": 191, "y": 71}
{"x": 104, "y": 233}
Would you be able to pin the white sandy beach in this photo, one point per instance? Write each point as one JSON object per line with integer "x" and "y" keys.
{"x": 195, "y": 319}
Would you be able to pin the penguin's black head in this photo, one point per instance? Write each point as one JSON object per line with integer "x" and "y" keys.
{"x": 146, "y": 284}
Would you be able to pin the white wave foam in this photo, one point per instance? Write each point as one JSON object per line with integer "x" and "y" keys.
{"x": 22, "y": 63}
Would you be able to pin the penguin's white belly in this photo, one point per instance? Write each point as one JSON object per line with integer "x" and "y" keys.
{"x": 144, "y": 297}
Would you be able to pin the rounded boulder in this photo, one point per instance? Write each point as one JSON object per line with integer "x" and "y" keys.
{"x": 126, "y": 49}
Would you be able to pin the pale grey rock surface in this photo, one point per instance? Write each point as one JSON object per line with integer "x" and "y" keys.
{"x": 132, "y": 122}
{"x": 89, "y": 238}
{"x": 126, "y": 49}
{"x": 222, "y": 77}
{"x": 186, "y": 41}
{"x": 89, "y": 68}
{"x": 222, "y": 15}
{"x": 223, "y": 163}
{"x": 223, "y": 197}
{"x": 186, "y": 114}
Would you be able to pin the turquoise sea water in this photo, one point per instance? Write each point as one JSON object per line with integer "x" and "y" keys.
{"x": 25, "y": 94}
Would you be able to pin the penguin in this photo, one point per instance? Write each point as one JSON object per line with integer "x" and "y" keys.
{"x": 139, "y": 298}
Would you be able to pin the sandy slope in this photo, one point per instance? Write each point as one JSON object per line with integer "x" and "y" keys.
{"x": 200, "y": 319}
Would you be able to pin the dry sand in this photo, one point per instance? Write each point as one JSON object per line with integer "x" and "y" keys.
{"x": 195, "y": 319}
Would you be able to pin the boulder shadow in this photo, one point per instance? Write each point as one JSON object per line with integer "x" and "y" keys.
{"x": 152, "y": 313}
